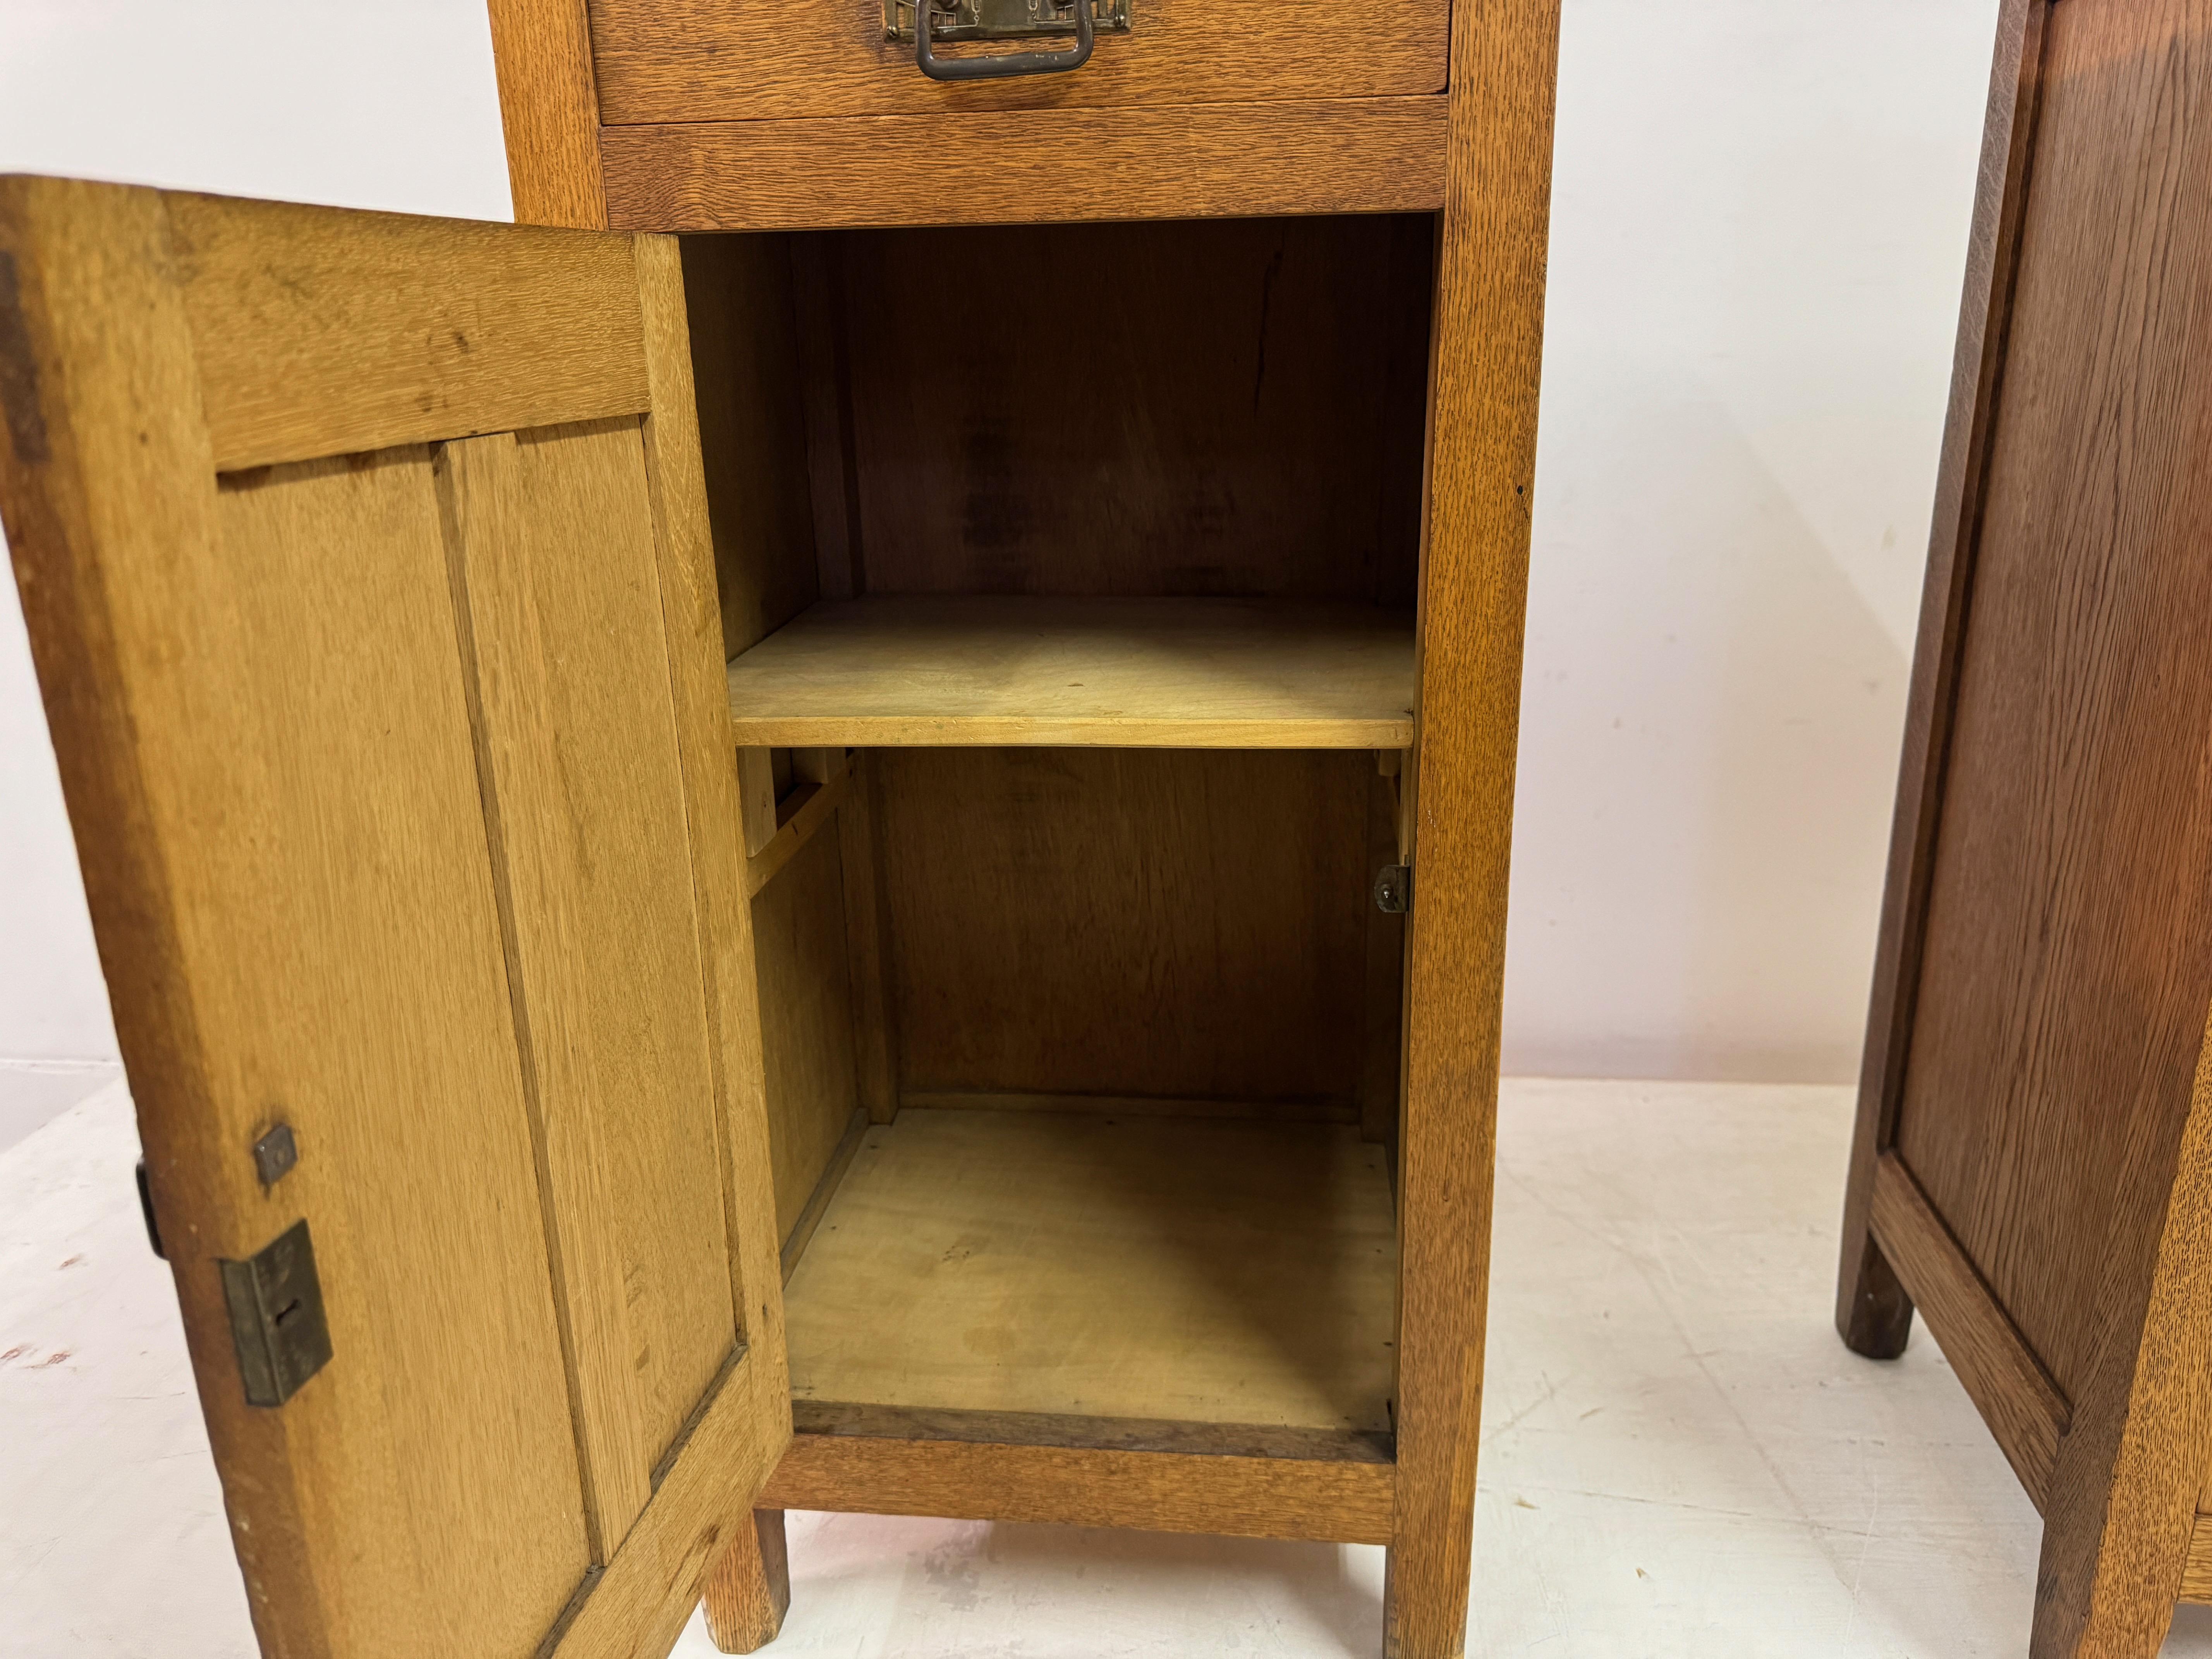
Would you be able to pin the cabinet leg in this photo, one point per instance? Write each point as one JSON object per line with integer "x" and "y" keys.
{"x": 1424, "y": 1604}
{"x": 1874, "y": 1315}
{"x": 748, "y": 1588}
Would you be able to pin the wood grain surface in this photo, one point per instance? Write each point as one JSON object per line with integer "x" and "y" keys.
{"x": 816, "y": 812}
{"x": 1181, "y": 1439}
{"x": 1873, "y": 1314}
{"x": 2124, "y": 1491}
{"x": 1346, "y": 1501}
{"x": 551, "y": 541}
{"x": 1188, "y": 925}
{"x": 748, "y": 1590}
{"x": 271, "y": 909}
{"x": 751, "y": 393}
{"x": 549, "y": 106}
{"x": 393, "y": 330}
{"x": 930, "y": 670}
{"x": 1197, "y": 1270}
{"x": 698, "y": 61}
{"x": 704, "y": 1488}
{"x": 806, "y": 1021}
{"x": 1207, "y": 160}
{"x": 2068, "y": 957}
{"x": 2010, "y": 1387}
{"x": 1482, "y": 456}
{"x": 260, "y": 688}
{"x": 2196, "y": 1572}
{"x": 1019, "y": 463}
{"x": 2047, "y": 953}
{"x": 867, "y": 945}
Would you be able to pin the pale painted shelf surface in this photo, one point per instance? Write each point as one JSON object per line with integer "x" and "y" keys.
{"x": 1104, "y": 1265}
{"x": 921, "y": 670}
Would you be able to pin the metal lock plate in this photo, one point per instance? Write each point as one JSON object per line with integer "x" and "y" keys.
{"x": 276, "y": 1321}
{"x": 1002, "y": 20}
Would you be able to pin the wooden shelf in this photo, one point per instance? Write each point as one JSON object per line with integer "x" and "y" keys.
{"x": 1103, "y": 1265}
{"x": 951, "y": 671}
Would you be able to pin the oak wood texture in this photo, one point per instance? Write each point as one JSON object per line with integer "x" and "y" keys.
{"x": 399, "y": 330}
{"x": 1237, "y": 413}
{"x": 2122, "y": 1515}
{"x": 2016, "y": 1397}
{"x": 1873, "y": 1314}
{"x": 905, "y": 670}
{"x": 867, "y": 949}
{"x": 549, "y": 106}
{"x": 1042, "y": 1262}
{"x": 2197, "y": 1569}
{"x": 704, "y": 1487}
{"x": 1180, "y": 1439}
{"x": 274, "y": 745}
{"x": 895, "y": 1465}
{"x": 1209, "y": 161}
{"x": 551, "y": 539}
{"x": 1007, "y": 1100}
{"x": 695, "y": 60}
{"x": 1488, "y": 346}
{"x": 756, "y": 800}
{"x": 2067, "y": 954}
{"x": 748, "y": 1590}
{"x": 1181, "y": 924}
{"x": 1383, "y": 1050}
{"x": 2046, "y": 963}
{"x": 806, "y": 1021}
{"x": 751, "y": 389}
{"x": 161, "y": 606}
{"x": 819, "y": 810}
{"x": 825, "y": 1187}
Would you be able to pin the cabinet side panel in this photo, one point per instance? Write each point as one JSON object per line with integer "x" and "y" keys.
{"x": 806, "y": 1020}
{"x": 748, "y": 374}
{"x": 1874, "y": 1315}
{"x": 1487, "y": 356}
{"x": 2068, "y": 957}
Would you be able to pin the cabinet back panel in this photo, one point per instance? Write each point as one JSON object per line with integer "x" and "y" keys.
{"x": 2067, "y": 954}
{"x": 1185, "y": 925}
{"x": 1231, "y": 407}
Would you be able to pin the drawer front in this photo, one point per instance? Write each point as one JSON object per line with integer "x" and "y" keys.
{"x": 737, "y": 60}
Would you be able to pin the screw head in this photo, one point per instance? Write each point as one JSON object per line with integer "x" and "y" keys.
{"x": 275, "y": 1154}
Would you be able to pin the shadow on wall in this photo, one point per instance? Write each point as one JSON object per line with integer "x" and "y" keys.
{"x": 1705, "y": 786}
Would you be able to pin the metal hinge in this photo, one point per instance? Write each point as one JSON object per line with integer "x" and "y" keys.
{"x": 1393, "y": 889}
{"x": 1002, "y": 20}
{"x": 276, "y": 1321}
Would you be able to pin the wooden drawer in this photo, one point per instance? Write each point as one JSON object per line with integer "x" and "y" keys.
{"x": 710, "y": 60}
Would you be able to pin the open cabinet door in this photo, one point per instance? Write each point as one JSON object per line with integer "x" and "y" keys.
{"x": 368, "y": 577}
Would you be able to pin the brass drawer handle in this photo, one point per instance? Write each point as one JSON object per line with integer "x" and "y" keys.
{"x": 1001, "y": 20}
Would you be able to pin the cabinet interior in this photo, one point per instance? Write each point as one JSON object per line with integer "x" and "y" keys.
{"x": 1067, "y": 573}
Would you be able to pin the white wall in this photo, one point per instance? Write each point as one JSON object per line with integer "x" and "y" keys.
{"x": 1759, "y": 229}
{"x": 389, "y": 105}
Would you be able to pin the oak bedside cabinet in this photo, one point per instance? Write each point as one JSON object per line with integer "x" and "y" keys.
{"x": 2033, "y": 1162}
{"x": 851, "y": 858}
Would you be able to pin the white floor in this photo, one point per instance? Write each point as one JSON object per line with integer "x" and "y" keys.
{"x": 1679, "y": 1457}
